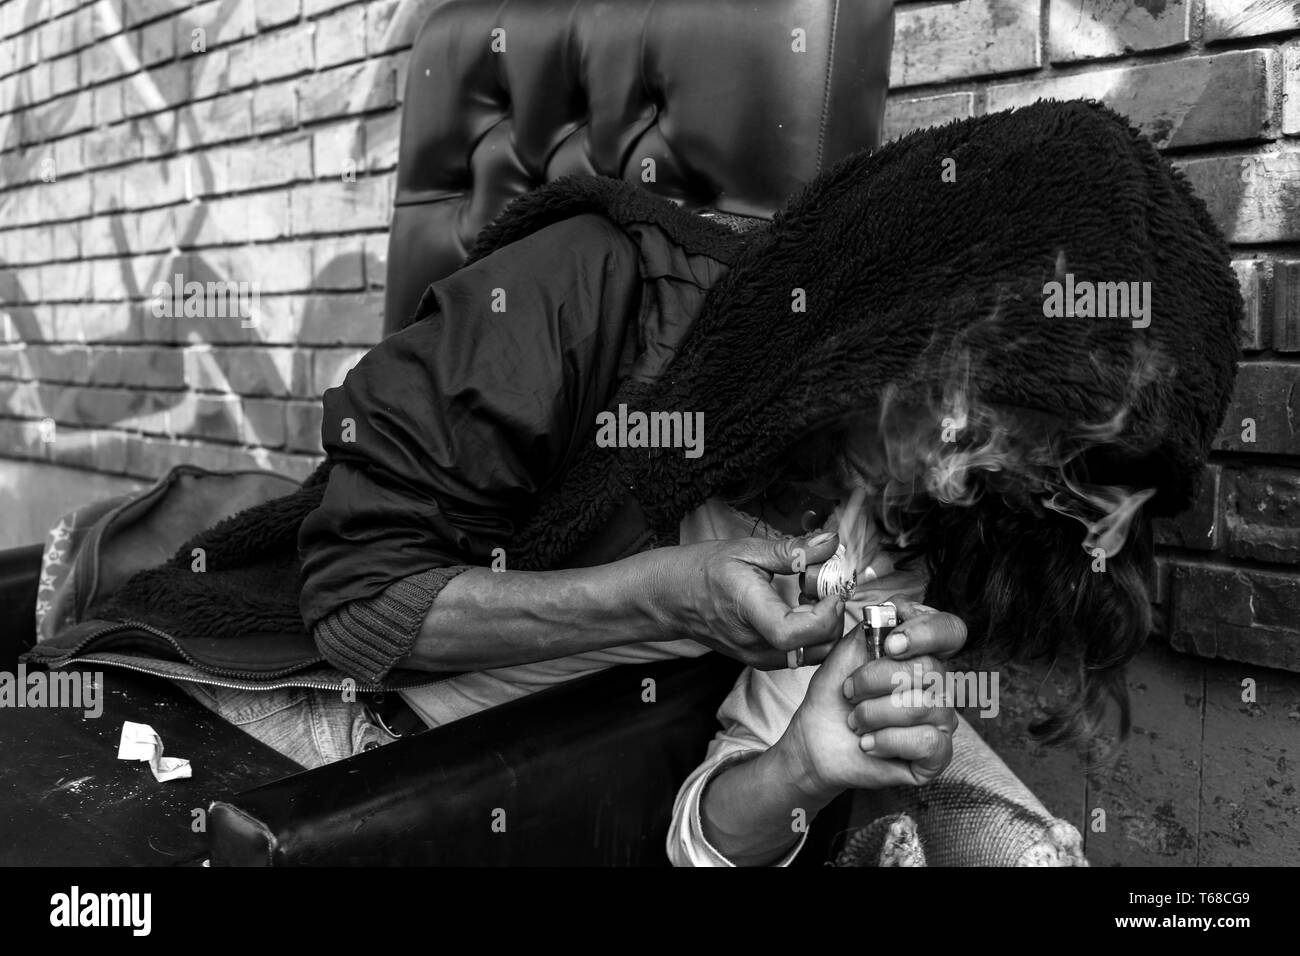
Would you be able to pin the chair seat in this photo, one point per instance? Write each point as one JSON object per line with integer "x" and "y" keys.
{"x": 65, "y": 798}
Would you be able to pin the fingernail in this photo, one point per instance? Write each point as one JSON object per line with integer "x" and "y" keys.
{"x": 853, "y": 722}
{"x": 820, "y": 539}
{"x": 867, "y": 742}
{"x": 896, "y": 644}
{"x": 848, "y": 687}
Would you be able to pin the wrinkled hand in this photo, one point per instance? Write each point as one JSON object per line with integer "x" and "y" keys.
{"x": 720, "y": 594}
{"x": 858, "y": 727}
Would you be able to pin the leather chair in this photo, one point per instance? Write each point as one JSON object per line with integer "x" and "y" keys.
{"x": 726, "y": 106}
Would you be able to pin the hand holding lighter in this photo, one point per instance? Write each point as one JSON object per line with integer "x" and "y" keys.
{"x": 878, "y": 620}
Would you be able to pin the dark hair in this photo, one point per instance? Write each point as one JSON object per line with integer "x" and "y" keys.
{"x": 1028, "y": 591}
{"x": 1016, "y": 572}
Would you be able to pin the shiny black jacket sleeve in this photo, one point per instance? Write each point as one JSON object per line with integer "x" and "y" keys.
{"x": 445, "y": 432}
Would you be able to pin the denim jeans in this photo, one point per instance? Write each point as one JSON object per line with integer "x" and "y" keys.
{"x": 311, "y": 727}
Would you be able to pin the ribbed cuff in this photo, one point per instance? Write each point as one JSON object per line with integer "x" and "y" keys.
{"x": 367, "y": 638}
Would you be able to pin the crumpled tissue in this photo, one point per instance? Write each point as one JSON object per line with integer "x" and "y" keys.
{"x": 141, "y": 742}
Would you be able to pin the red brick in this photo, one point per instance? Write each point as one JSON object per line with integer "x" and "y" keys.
{"x": 216, "y": 120}
{"x": 245, "y": 219}
{"x": 112, "y": 146}
{"x": 163, "y": 87}
{"x": 102, "y": 406}
{"x": 210, "y": 73}
{"x": 21, "y": 400}
{"x": 376, "y": 261}
{"x": 1238, "y": 614}
{"x": 159, "y": 182}
{"x": 345, "y": 90}
{"x": 1269, "y": 393}
{"x": 151, "y": 457}
{"x": 275, "y": 107}
{"x": 67, "y": 281}
{"x": 128, "y": 277}
{"x": 97, "y": 322}
{"x": 274, "y": 267}
{"x": 1255, "y": 277}
{"x": 263, "y": 422}
{"x": 904, "y": 114}
{"x": 65, "y": 198}
{"x": 106, "y": 189}
{"x": 1179, "y": 103}
{"x": 329, "y": 366}
{"x": 390, "y": 25}
{"x": 212, "y": 417}
{"x": 1286, "y": 307}
{"x": 342, "y": 319}
{"x": 136, "y": 366}
{"x": 339, "y": 264}
{"x": 107, "y": 103}
{"x": 224, "y": 21}
{"x": 1262, "y": 514}
{"x": 1087, "y": 29}
{"x": 67, "y": 154}
{"x": 1234, "y": 19}
{"x": 101, "y": 62}
{"x": 59, "y": 117}
{"x": 33, "y": 245}
{"x": 382, "y": 136}
{"x": 327, "y": 319}
{"x": 340, "y": 37}
{"x": 282, "y": 53}
{"x": 59, "y": 363}
{"x": 1291, "y": 91}
{"x": 157, "y": 42}
{"x": 334, "y": 206}
{"x": 271, "y": 162}
{"x": 157, "y": 133}
{"x": 65, "y": 74}
{"x": 303, "y": 426}
{"x": 14, "y": 362}
{"x": 271, "y": 13}
{"x": 243, "y": 370}
{"x": 312, "y": 8}
{"x": 334, "y": 145}
{"x": 1253, "y": 198}
{"x": 20, "y": 286}
{"x": 935, "y": 43}
{"x": 142, "y": 11}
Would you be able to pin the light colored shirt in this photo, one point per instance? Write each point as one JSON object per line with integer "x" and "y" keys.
{"x": 760, "y": 707}
{"x": 753, "y": 716}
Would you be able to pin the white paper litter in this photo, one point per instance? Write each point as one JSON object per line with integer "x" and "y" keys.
{"x": 141, "y": 742}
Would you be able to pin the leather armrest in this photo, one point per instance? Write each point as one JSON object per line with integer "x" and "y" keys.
{"x": 20, "y": 574}
{"x": 580, "y": 774}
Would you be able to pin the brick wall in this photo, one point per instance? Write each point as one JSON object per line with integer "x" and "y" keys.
{"x": 230, "y": 140}
{"x": 255, "y": 141}
{"x": 1216, "y": 85}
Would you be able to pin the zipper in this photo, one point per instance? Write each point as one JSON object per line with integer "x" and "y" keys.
{"x": 258, "y": 678}
{"x": 278, "y": 685}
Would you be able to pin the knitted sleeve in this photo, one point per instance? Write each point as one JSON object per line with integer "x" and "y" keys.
{"x": 366, "y": 638}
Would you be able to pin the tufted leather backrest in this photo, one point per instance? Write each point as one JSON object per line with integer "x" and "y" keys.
{"x": 727, "y": 105}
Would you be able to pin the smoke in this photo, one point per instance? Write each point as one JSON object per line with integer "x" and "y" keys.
{"x": 953, "y": 448}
